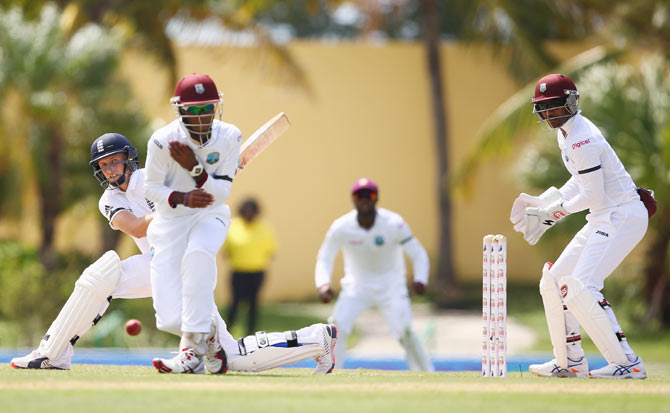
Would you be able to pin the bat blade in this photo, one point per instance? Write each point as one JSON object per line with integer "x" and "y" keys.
{"x": 261, "y": 139}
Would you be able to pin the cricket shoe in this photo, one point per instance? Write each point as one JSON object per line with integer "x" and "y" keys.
{"x": 216, "y": 361}
{"x": 325, "y": 363}
{"x": 37, "y": 360}
{"x": 576, "y": 368}
{"x": 632, "y": 370}
{"x": 184, "y": 362}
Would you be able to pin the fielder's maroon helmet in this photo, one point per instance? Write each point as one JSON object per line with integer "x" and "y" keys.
{"x": 196, "y": 89}
{"x": 197, "y": 102}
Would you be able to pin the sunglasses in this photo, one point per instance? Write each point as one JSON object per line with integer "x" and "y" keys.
{"x": 197, "y": 109}
{"x": 365, "y": 193}
{"x": 550, "y": 104}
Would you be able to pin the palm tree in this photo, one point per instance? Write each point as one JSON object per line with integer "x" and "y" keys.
{"x": 63, "y": 92}
{"x": 510, "y": 23}
{"x": 143, "y": 23}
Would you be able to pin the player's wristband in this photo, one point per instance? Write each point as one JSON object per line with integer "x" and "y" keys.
{"x": 171, "y": 201}
{"x": 186, "y": 199}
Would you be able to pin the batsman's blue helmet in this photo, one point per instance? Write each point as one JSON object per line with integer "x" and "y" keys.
{"x": 110, "y": 144}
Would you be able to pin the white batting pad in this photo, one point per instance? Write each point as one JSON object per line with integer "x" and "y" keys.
{"x": 267, "y": 358}
{"x": 91, "y": 290}
{"x": 586, "y": 309}
{"x": 553, "y": 311}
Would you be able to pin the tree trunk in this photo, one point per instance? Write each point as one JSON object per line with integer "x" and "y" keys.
{"x": 50, "y": 189}
{"x": 445, "y": 279}
{"x": 657, "y": 275}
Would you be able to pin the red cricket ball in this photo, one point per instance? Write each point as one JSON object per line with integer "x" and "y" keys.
{"x": 133, "y": 327}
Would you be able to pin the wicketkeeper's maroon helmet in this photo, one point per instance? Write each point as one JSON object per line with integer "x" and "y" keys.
{"x": 555, "y": 91}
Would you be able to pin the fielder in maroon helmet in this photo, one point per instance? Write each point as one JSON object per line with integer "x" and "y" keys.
{"x": 616, "y": 223}
{"x": 197, "y": 102}
{"x": 191, "y": 163}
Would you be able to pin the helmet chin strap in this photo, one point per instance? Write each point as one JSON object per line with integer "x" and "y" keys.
{"x": 122, "y": 178}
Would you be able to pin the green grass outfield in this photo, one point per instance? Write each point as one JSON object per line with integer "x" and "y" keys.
{"x": 89, "y": 388}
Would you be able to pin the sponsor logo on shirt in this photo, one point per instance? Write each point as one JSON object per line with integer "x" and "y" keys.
{"x": 580, "y": 143}
{"x": 564, "y": 290}
{"x": 604, "y": 234}
{"x": 158, "y": 143}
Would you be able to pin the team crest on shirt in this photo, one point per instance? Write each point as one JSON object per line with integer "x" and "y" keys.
{"x": 199, "y": 88}
{"x": 152, "y": 250}
{"x": 213, "y": 158}
{"x": 379, "y": 240}
{"x": 565, "y": 155}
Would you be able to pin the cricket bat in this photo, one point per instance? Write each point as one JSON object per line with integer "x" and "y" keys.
{"x": 261, "y": 139}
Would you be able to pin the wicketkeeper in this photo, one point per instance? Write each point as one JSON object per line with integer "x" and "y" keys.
{"x": 617, "y": 221}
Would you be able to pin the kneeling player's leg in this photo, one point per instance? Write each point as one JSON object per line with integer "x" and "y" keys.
{"x": 135, "y": 281}
{"x": 264, "y": 351}
{"x": 88, "y": 300}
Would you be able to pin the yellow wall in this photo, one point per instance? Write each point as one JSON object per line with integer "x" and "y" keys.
{"x": 368, "y": 115}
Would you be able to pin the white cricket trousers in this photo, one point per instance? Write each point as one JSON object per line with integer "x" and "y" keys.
{"x": 183, "y": 270}
{"x": 392, "y": 300}
{"x": 597, "y": 250}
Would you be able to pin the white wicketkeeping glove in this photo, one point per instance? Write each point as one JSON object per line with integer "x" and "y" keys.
{"x": 539, "y": 220}
{"x": 518, "y": 214}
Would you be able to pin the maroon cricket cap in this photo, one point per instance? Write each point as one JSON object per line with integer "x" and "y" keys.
{"x": 196, "y": 89}
{"x": 364, "y": 183}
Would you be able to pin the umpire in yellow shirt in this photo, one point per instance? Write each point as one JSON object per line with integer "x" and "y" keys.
{"x": 250, "y": 246}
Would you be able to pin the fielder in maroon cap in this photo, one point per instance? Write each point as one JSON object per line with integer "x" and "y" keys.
{"x": 372, "y": 241}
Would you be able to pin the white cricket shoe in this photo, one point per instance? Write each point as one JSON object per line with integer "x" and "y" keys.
{"x": 37, "y": 360}
{"x": 184, "y": 362}
{"x": 576, "y": 368}
{"x": 216, "y": 361}
{"x": 325, "y": 363}
{"x": 633, "y": 370}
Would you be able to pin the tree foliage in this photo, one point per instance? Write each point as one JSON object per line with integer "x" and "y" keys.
{"x": 62, "y": 92}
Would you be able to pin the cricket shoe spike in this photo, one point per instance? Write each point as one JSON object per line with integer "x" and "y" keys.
{"x": 576, "y": 369}
{"x": 185, "y": 362}
{"x": 325, "y": 363}
{"x": 633, "y": 370}
{"x": 216, "y": 361}
{"x": 36, "y": 360}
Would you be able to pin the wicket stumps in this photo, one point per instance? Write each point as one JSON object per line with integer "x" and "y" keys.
{"x": 494, "y": 306}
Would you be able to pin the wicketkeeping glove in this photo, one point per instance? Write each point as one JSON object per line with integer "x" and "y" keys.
{"x": 518, "y": 215}
{"x": 539, "y": 220}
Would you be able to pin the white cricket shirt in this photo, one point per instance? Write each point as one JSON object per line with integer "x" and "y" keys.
{"x": 599, "y": 180}
{"x": 373, "y": 255}
{"x": 114, "y": 200}
{"x": 219, "y": 157}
